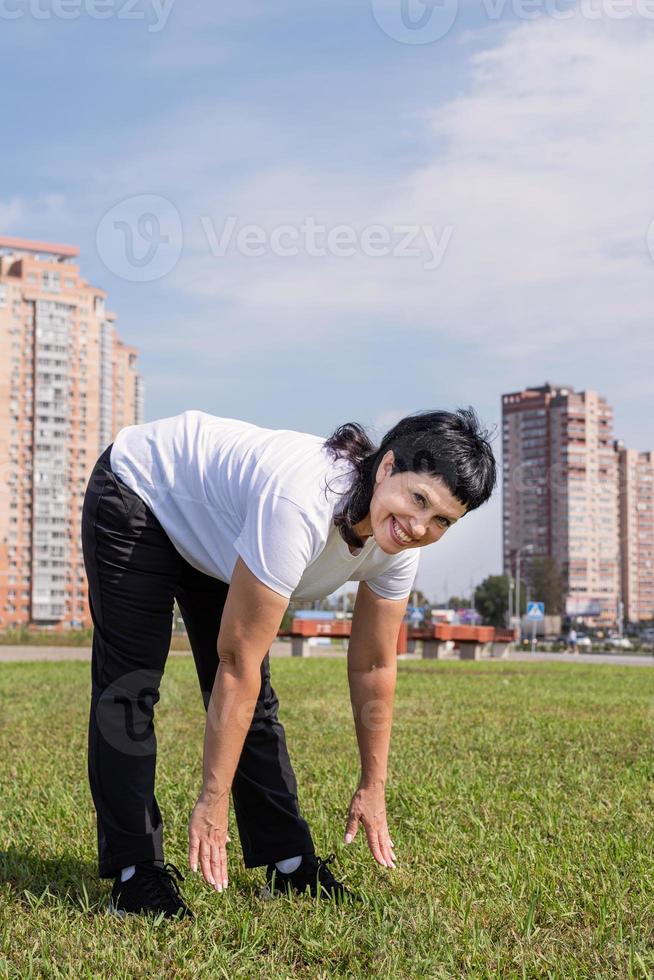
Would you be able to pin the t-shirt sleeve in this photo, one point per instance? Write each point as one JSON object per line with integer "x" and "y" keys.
{"x": 277, "y": 542}
{"x": 397, "y": 580}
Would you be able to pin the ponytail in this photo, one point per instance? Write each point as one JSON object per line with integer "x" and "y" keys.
{"x": 352, "y": 443}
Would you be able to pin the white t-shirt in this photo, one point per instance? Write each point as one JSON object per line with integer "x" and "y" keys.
{"x": 221, "y": 488}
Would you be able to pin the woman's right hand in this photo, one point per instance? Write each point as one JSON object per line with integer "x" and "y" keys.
{"x": 208, "y": 837}
{"x": 368, "y": 808}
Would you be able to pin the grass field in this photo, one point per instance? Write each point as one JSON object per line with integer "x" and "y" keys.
{"x": 520, "y": 803}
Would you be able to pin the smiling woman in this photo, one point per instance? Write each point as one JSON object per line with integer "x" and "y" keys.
{"x": 430, "y": 470}
{"x": 233, "y": 521}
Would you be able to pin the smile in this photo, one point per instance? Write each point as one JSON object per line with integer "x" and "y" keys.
{"x": 399, "y": 534}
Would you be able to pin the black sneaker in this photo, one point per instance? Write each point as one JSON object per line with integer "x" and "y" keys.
{"x": 153, "y": 890}
{"x": 312, "y": 875}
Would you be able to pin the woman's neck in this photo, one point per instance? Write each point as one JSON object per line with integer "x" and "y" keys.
{"x": 363, "y": 529}
{"x": 352, "y": 538}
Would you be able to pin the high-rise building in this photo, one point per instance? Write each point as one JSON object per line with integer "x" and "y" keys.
{"x": 637, "y": 532}
{"x": 67, "y": 384}
{"x": 560, "y": 494}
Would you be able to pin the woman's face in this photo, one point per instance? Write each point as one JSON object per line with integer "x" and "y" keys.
{"x": 408, "y": 510}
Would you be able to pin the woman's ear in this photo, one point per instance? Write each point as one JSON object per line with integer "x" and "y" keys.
{"x": 385, "y": 467}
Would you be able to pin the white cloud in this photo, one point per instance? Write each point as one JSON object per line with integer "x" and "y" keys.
{"x": 543, "y": 168}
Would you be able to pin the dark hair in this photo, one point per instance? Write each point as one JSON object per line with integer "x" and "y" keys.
{"x": 449, "y": 445}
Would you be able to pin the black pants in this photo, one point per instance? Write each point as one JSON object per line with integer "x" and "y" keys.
{"x": 134, "y": 575}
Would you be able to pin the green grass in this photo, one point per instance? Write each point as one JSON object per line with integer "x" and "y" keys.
{"x": 46, "y": 638}
{"x": 67, "y": 638}
{"x": 520, "y": 801}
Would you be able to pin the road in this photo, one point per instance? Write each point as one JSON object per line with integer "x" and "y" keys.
{"x": 621, "y": 659}
{"x": 16, "y": 654}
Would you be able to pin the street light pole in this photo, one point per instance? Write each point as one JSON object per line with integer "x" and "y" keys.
{"x": 525, "y": 549}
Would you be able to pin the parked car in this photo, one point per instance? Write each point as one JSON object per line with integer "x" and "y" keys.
{"x": 583, "y": 642}
{"x": 619, "y": 643}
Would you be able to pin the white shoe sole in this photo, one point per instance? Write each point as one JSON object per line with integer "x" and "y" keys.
{"x": 122, "y": 914}
{"x": 115, "y": 911}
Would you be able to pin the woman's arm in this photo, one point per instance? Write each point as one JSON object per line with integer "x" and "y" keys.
{"x": 250, "y": 622}
{"x": 372, "y": 668}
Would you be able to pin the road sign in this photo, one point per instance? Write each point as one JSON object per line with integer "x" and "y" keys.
{"x": 536, "y": 611}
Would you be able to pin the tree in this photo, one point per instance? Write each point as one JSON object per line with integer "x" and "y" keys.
{"x": 546, "y": 585}
{"x": 420, "y": 599}
{"x": 457, "y": 602}
{"x": 492, "y": 600}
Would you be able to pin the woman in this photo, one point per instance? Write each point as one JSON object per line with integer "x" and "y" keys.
{"x": 232, "y": 521}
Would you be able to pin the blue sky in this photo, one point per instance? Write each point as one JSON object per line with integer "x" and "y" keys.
{"x": 522, "y": 141}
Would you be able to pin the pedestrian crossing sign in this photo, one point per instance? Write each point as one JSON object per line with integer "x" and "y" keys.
{"x": 536, "y": 611}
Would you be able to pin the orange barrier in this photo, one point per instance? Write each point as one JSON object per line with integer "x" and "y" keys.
{"x": 505, "y": 636}
{"x": 472, "y": 641}
{"x": 305, "y": 628}
{"x": 321, "y": 627}
{"x": 450, "y": 631}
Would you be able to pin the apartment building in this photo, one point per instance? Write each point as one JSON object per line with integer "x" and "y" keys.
{"x": 560, "y": 493}
{"x": 636, "y": 472}
{"x": 67, "y": 384}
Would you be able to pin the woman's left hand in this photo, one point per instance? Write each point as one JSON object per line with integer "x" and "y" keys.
{"x": 368, "y": 807}
{"x": 208, "y": 837}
